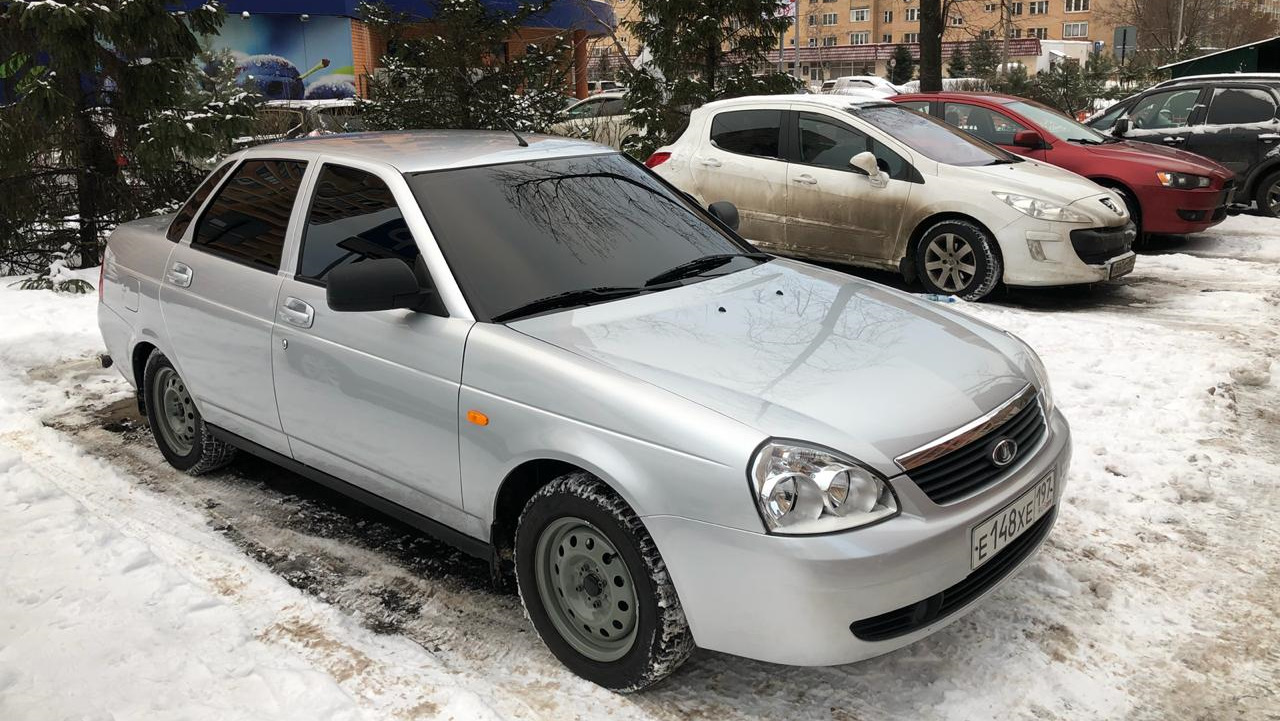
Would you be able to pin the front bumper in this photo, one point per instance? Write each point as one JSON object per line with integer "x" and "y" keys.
{"x": 1179, "y": 212}
{"x": 792, "y": 600}
{"x": 1041, "y": 253}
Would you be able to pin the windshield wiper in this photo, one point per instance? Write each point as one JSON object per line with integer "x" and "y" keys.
{"x": 701, "y": 265}
{"x": 569, "y": 299}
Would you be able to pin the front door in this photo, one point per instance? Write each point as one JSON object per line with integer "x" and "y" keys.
{"x": 1239, "y": 128}
{"x": 371, "y": 398}
{"x": 219, "y": 299}
{"x": 1165, "y": 117}
{"x": 740, "y": 161}
{"x": 837, "y": 211}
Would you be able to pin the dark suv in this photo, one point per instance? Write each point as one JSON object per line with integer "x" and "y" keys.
{"x": 1227, "y": 118}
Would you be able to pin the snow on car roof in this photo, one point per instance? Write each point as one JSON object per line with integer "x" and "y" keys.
{"x": 838, "y": 102}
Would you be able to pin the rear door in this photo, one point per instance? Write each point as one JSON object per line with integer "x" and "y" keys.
{"x": 739, "y": 159}
{"x": 219, "y": 298}
{"x": 368, "y": 397}
{"x": 836, "y": 210}
{"x": 1166, "y": 116}
{"x": 1239, "y": 127}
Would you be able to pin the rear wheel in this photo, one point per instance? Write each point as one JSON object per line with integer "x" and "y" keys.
{"x": 1268, "y": 195}
{"x": 957, "y": 257}
{"x": 595, "y": 587}
{"x": 176, "y": 424}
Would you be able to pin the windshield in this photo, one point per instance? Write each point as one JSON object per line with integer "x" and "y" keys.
{"x": 1057, "y": 123}
{"x": 519, "y": 233}
{"x": 933, "y": 138}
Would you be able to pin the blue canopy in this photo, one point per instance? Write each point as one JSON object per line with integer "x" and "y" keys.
{"x": 591, "y": 15}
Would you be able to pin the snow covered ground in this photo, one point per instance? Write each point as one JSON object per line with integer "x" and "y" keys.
{"x": 128, "y": 591}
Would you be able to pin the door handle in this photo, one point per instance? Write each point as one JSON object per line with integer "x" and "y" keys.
{"x": 709, "y": 162}
{"x": 805, "y": 179}
{"x": 180, "y": 275}
{"x": 1171, "y": 140}
{"x": 297, "y": 312}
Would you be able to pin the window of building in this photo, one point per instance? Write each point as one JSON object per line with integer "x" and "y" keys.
{"x": 989, "y": 8}
{"x": 860, "y": 38}
{"x": 749, "y": 132}
{"x": 986, "y": 34}
{"x": 353, "y": 217}
{"x": 956, "y": 21}
{"x": 860, "y": 15}
{"x": 830, "y": 18}
{"x": 913, "y": 15}
{"x": 911, "y": 37}
{"x": 888, "y": 16}
{"x": 1015, "y": 33}
{"x": 1041, "y": 33}
{"x": 1233, "y": 106}
{"x": 1075, "y": 30}
{"x": 1015, "y": 8}
{"x": 1038, "y": 7}
{"x": 813, "y": 42}
{"x": 830, "y": 41}
{"x": 886, "y": 38}
{"x": 247, "y": 220}
{"x": 1077, "y": 6}
{"x": 813, "y": 20}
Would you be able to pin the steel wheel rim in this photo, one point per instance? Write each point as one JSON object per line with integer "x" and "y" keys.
{"x": 176, "y": 413}
{"x": 950, "y": 262}
{"x": 586, "y": 589}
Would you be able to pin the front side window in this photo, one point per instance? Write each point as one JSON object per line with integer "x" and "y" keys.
{"x": 613, "y": 106}
{"x": 1056, "y": 123}
{"x": 1168, "y": 109}
{"x": 518, "y": 233}
{"x": 985, "y": 123}
{"x": 353, "y": 217}
{"x": 188, "y": 211}
{"x": 248, "y": 218}
{"x": 1108, "y": 119}
{"x": 1234, "y": 106}
{"x": 748, "y": 132}
{"x": 932, "y": 137}
{"x": 829, "y": 143}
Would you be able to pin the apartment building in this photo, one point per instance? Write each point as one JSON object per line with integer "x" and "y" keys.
{"x": 609, "y": 53}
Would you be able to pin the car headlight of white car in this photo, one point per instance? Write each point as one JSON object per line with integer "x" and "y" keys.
{"x": 802, "y": 489}
{"x": 1040, "y": 208}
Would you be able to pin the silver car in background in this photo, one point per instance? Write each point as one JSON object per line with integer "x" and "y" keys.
{"x": 549, "y": 357}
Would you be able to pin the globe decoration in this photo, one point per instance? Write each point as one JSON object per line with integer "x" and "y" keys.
{"x": 331, "y": 89}
{"x": 274, "y": 77}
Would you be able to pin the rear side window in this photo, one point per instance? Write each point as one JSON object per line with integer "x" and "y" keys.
{"x": 749, "y": 132}
{"x": 188, "y": 211}
{"x": 1169, "y": 109}
{"x": 1234, "y": 106}
{"x": 353, "y": 217}
{"x": 983, "y": 122}
{"x": 247, "y": 220}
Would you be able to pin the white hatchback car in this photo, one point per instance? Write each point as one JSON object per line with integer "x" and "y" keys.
{"x": 866, "y": 182}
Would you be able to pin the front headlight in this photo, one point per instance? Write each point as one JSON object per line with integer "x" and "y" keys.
{"x": 1042, "y": 380}
{"x": 803, "y": 489}
{"x": 1182, "y": 181}
{"x": 1042, "y": 209}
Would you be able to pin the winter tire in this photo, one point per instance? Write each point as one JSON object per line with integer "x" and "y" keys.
{"x": 1268, "y": 195}
{"x": 595, "y": 587}
{"x": 175, "y": 422}
{"x": 1135, "y": 214}
{"x": 957, "y": 257}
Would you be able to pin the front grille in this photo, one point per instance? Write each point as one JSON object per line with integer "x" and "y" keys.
{"x": 1096, "y": 246}
{"x": 970, "y": 468}
{"x": 911, "y": 618}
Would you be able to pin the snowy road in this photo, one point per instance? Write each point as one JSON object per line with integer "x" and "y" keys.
{"x": 128, "y": 591}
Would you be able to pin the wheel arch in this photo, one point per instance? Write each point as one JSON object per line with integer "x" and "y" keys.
{"x": 142, "y": 350}
{"x": 1118, "y": 185}
{"x": 1265, "y": 168}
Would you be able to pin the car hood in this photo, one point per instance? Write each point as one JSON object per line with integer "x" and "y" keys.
{"x": 1158, "y": 157}
{"x": 801, "y": 352}
{"x": 1030, "y": 177}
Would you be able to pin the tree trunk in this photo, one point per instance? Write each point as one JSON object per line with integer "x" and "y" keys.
{"x": 931, "y": 27}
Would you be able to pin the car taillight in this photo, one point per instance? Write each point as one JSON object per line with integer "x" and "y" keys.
{"x": 656, "y": 159}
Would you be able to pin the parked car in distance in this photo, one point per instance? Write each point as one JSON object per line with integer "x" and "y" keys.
{"x": 600, "y": 118}
{"x": 288, "y": 119}
{"x": 1226, "y": 118}
{"x": 871, "y": 183}
{"x": 551, "y": 358}
{"x": 861, "y": 82}
{"x": 604, "y": 86}
{"x": 1165, "y": 190}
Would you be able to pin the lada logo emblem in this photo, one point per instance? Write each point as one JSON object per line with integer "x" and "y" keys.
{"x": 1003, "y": 452}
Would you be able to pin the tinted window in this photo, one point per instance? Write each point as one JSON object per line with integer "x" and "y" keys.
{"x": 614, "y": 106}
{"x": 189, "y": 208}
{"x": 1233, "y": 106}
{"x": 831, "y": 144}
{"x": 750, "y": 132}
{"x": 521, "y": 232}
{"x": 248, "y": 218}
{"x": 353, "y": 217}
{"x": 1056, "y": 123}
{"x": 1169, "y": 109}
{"x": 983, "y": 122}
{"x": 934, "y": 138}
{"x": 920, "y": 106}
{"x": 1108, "y": 119}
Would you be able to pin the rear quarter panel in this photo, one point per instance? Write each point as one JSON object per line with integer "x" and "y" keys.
{"x": 133, "y": 269}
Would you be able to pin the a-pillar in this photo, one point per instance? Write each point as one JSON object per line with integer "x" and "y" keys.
{"x": 580, "y": 63}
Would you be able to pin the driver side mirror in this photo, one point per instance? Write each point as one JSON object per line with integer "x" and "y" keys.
{"x": 1028, "y": 139}
{"x": 1121, "y": 127}
{"x": 725, "y": 212}
{"x": 376, "y": 284}
{"x": 866, "y": 163}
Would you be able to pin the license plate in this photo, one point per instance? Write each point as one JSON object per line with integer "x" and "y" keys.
{"x": 992, "y": 535}
{"x": 1122, "y": 266}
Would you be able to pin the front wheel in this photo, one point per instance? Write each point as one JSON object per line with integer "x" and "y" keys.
{"x": 957, "y": 257}
{"x": 1268, "y": 195}
{"x": 595, "y": 587}
{"x": 176, "y": 424}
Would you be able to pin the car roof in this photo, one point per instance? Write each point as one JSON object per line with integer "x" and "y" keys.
{"x": 606, "y": 94}
{"x": 979, "y": 95}
{"x": 422, "y": 150}
{"x": 838, "y": 102}
{"x": 1242, "y": 77}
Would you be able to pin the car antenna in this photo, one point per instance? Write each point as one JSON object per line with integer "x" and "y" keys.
{"x": 505, "y": 122}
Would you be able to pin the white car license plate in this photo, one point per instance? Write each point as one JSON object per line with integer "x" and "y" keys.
{"x": 1122, "y": 266}
{"x": 994, "y": 534}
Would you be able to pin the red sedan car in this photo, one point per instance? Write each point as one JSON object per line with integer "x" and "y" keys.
{"x": 1167, "y": 190}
